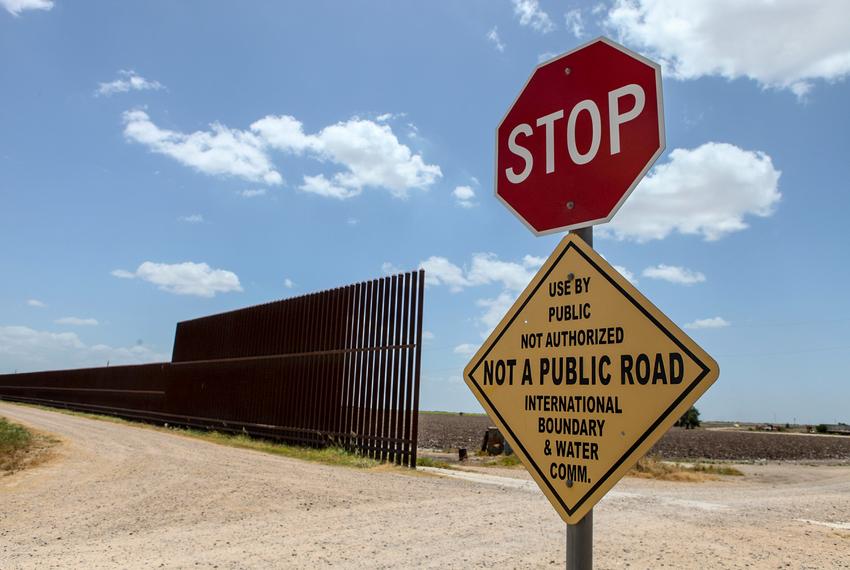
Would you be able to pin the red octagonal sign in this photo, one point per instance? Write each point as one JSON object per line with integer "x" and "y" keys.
{"x": 584, "y": 130}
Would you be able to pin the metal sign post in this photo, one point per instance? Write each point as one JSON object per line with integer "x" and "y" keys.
{"x": 580, "y": 543}
{"x": 580, "y": 535}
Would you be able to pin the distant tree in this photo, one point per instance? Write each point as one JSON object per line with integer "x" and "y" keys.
{"x": 821, "y": 428}
{"x": 689, "y": 419}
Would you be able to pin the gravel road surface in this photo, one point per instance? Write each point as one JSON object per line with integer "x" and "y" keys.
{"x": 119, "y": 496}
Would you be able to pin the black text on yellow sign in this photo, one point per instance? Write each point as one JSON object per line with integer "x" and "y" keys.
{"x": 583, "y": 375}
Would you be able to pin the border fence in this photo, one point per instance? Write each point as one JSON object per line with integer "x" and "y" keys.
{"x": 338, "y": 367}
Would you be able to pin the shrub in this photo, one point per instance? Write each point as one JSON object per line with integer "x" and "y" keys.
{"x": 689, "y": 419}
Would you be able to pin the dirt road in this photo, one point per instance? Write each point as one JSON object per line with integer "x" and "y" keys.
{"x": 125, "y": 497}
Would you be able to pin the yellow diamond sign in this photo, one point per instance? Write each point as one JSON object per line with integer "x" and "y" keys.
{"x": 583, "y": 375}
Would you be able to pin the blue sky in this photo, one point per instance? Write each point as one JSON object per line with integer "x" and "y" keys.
{"x": 161, "y": 161}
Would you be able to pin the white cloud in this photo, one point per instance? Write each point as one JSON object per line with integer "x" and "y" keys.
{"x": 711, "y": 323}
{"x": 352, "y": 221}
{"x": 24, "y": 349}
{"x": 185, "y": 278}
{"x": 575, "y": 22}
{"x": 495, "y": 309}
{"x": 782, "y": 44}
{"x": 530, "y": 14}
{"x": 465, "y": 349}
{"x": 493, "y": 36}
{"x": 324, "y": 187}
{"x": 284, "y": 132}
{"x": 123, "y": 274}
{"x": 15, "y": 7}
{"x": 370, "y": 152}
{"x": 441, "y": 271}
{"x": 427, "y": 335}
{"x": 545, "y": 56}
{"x": 486, "y": 268}
{"x": 413, "y": 132}
{"x": 219, "y": 151}
{"x": 375, "y": 157}
{"x": 36, "y": 303}
{"x": 706, "y": 191}
{"x": 288, "y": 283}
{"x": 464, "y": 193}
{"x": 388, "y": 268}
{"x": 533, "y": 261}
{"x": 128, "y": 80}
{"x": 674, "y": 274}
{"x": 76, "y": 322}
{"x": 192, "y": 219}
{"x": 630, "y": 277}
{"x": 253, "y": 193}
{"x": 384, "y": 117}
{"x": 465, "y": 196}
{"x": 622, "y": 270}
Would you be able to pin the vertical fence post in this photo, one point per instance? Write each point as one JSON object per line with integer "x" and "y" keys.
{"x": 580, "y": 535}
{"x": 418, "y": 340}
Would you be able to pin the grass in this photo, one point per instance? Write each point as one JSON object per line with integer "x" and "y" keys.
{"x": 715, "y": 469}
{"x": 325, "y": 455}
{"x": 507, "y": 461}
{"x": 653, "y": 468}
{"x": 328, "y": 455}
{"x": 21, "y": 448}
{"x": 15, "y": 441}
{"x": 498, "y": 460}
{"x": 483, "y": 461}
{"x": 431, "y": 462}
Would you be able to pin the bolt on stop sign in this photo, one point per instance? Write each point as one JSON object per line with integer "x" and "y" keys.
{"x": 581, "y": 134}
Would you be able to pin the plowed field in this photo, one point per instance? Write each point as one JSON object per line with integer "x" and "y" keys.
{"x": 450, "y": 431}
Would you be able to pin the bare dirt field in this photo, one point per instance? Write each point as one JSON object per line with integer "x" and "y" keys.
{"x": 119, "y": 496}
{"x": 752, "y": 446}
{"x": 450, "y": 431}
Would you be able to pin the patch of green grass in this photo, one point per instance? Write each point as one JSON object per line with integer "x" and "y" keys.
{"x": 13, "y": 436}
{"x": 499, "y": 461}
{"x": 507, "y": 461}
{"x": 15, "y": 440}
{"x": 326, "y": 455}
{"x": 431, "y": 462}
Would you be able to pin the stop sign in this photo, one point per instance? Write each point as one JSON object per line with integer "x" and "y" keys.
{"x": 582, "y": 132}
